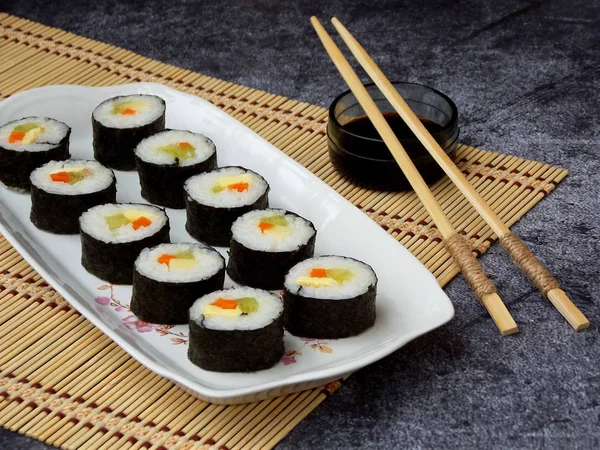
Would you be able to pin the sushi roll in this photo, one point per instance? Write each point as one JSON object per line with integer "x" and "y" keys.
{"x": 215, "y": 199}
{"x": 168, "y": 278}
{"x": 113, "y": 235}
{"x": 330, "y": 297}
{"x": 165, "y": 160}
{"x": 236, "y": 330}
{"x": 266, "y": 244}
{"x": 62, "y": 190}
{"x": 120, "y": 123}
{"x": 26, "y": 144}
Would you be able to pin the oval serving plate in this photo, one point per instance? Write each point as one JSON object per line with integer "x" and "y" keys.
{"x": 409, "y": 302}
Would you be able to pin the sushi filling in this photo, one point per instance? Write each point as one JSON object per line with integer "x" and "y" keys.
{"x": 26, "y": 133}
{"x": 32, "y": 134}
{"x": 228, "y": 187}
{"x": 72, "y": 177}
{"x": 184, "y": 260}
{"x": 231, "y": 307}
{"x": 330, "y": 277}
{"x": 241, "y": 308}
{"x": 272, "y": 230}
{"x": 179, "y": 263}
{"x": 137, "y": 219}
{"x": 122, "y": 223}
{"x": 321, "y": 277}
{"x": 129, "y": 111}
{"x": 183, "y": 148}
{"x": 238, "y": 183}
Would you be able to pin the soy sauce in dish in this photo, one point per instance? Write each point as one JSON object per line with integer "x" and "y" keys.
{"x": 362, "y": 126}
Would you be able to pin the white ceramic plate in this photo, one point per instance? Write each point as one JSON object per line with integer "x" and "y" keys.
{"x": 409, "y": 302}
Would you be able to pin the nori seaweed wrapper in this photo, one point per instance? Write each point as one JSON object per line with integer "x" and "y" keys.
{"x": 162, "y": 184}
{"x": 329, "y": 319}
{"x": 60, "y": 213}
{"x": 15, "y": 167}
{"x": 263, "y": 269}
{"x": 113, "y": 147}
{"x": 236, "y": 350}
{"x": 114, "y": 262}
{"x": 213, "y": 225}
{"x": 169, "y": 303}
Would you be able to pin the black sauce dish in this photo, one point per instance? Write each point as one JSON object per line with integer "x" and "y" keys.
{"x": 366, "y": 160}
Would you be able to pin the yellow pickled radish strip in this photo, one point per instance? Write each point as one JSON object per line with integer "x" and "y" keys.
{"x": 213, "y": 311}
{"x": 32, "y": 135}
{"x": 182, "y": 263}
{"x": 134, "y": 214}
{"x": 316, "y": 282}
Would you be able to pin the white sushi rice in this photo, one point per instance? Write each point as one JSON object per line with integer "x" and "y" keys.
{"x": 270, "y": 307}
{"x": 208, "y": 263}
{"x": 54, "y": 132}
{"x": 363, "y": 277}
{"x": 100, "y": 179}
{"x": 154, "y": 107}
{"x": 148, "y": 149}
{"x": 199, "y": 187}
{"x": 245, "y": 230}
{"x": 92, "y": 222}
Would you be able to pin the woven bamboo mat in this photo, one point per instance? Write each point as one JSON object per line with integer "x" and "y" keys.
{"x": 62, "y": 381}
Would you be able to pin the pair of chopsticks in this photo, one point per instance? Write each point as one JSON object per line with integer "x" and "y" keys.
{"x": 456, "y": 245}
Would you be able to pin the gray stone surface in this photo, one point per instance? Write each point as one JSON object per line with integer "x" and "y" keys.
{"x": 525, "y": 76}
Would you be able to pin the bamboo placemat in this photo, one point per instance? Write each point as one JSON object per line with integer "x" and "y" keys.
{"x": 62, "y": 381}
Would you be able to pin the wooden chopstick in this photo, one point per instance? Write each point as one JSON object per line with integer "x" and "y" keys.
{"x": 455, "y": 243}
{"x": 536, "y": 271}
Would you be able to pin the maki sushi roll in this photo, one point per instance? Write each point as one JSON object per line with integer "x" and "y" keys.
{"x": 113, "y": 235}
{"x": 215, "y": 199}
{"x": 62, "y": 190}
{"x": 26, "y": 144}
{"x": 166, "y": 159}
{"x": 120, "y": 123}
{"x": 236, "y": 330}
{"x": 266, "y": 244}
{"x": 168, "y": 278}
{"x": 330, "y": 297}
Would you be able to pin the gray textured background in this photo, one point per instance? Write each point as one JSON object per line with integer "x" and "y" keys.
{"x": 525, "y": 76}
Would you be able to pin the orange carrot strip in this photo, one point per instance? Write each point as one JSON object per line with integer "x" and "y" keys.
{"x": 265, "y": 226}
{"x": 225, "y": 303}
{"x": 165, "y": 259}
{"x": 141, "y": 222}
{"x": 16, "y": 136}
{"x": 62, "y": 177}
{"x": 129, "y": 112}
{"x": 240, "y": 187}
{"x": 185, "y": 144}
{"x": 318, "y": 272}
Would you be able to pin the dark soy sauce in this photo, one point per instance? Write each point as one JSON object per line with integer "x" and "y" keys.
{"x": 362, "y": 126}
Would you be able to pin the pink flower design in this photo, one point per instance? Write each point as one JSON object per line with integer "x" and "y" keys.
{"x": 103, "y": 300}
{"x": 133, "y": 323}
{"x": 288, "y": 358}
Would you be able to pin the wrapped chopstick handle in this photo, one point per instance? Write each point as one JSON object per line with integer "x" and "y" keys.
{"x": 543, "y": 280}
{"x": 484, "y": 289}
{"x": 461, "y": 251}
{"x": 535, "y": 270}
